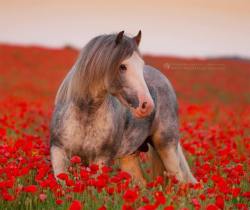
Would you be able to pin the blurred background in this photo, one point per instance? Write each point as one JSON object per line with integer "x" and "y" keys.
{"x": 172, "y": 27}
{"x": 202, "y": 46}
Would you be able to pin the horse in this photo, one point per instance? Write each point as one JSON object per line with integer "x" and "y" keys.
{"x": 111, "y": 106}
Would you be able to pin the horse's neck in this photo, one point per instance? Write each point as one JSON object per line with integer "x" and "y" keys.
{"x": 96, "y": 106}
{"x": 98, "y": 117}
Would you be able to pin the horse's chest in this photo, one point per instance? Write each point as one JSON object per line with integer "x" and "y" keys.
{"x": 85, "y": 136}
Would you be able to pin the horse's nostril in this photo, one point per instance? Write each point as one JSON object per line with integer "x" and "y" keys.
{"x": 144, "y": 104}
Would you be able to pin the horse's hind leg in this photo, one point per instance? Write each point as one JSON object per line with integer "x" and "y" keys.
{"x": 58, "y": 159}
{"x": 131, "y": 164}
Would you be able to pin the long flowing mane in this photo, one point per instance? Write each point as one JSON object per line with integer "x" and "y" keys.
{"x": 95, "y": 69}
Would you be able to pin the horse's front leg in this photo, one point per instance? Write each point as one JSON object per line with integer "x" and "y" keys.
{"x": 131, "y": 164}
{"x": 166, "y": 147}
{"x": 156, "y": 163}
{"x": 58, "y": 159}
{"x": 184, "y": 166}
{"x": 171, "y": 162}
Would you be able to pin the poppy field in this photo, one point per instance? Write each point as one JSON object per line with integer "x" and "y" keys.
{"x": 214, "y": 110}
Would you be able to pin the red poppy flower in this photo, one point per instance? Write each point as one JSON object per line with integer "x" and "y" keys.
{"x": 75, "y": 159}
{"x": 106, "y": 169}
{"x": 75, "y": 205}
{"x": 59, "y": 201}
{"x": 196, "y": 202}
{"x": 148, "y": 207}
{"x": 63, "y": 176}
{"x": 145, "y": 199}
{"x": 30, "y": 188}
{"x": 159, "y": 197}
{"x": 102, "y": 208}
{"x": 127, "y": 207}
{"x": 202, "y": 197}
{"x": 212, "y": 207}
{"x": 130, "y": 195}
{"x": 159, "y": 180}
{"x": 219, "y": 201}
{"x": 169, "y": 208}
{"x": 94, "y": 168}
{"x": 110, "y": 190}
{"x": 6, "y": 196}
{"x": 246, "y": 194}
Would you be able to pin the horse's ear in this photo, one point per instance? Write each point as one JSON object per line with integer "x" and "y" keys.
{"x": 119, "y": 37}
{"x": 137, "y": 38}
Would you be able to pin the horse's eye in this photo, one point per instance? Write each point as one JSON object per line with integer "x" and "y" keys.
{"x": 123, "y": 67}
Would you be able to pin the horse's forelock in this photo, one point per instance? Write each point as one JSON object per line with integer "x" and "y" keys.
{"x": 119, "y": 53}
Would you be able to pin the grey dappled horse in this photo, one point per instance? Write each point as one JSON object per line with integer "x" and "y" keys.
{"x": 111, "y": 106}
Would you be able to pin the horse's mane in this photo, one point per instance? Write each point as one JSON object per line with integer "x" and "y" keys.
{"x": 96, "y": 68}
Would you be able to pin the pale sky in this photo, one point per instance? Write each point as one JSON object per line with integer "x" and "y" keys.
{"x": 169, "y": 27}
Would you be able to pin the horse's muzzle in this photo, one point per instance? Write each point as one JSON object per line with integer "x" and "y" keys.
{"x": 144, "y": 109}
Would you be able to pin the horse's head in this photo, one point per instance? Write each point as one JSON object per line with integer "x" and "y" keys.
{"x": 132, "y": 89}
{"x": 110, "y": 64}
